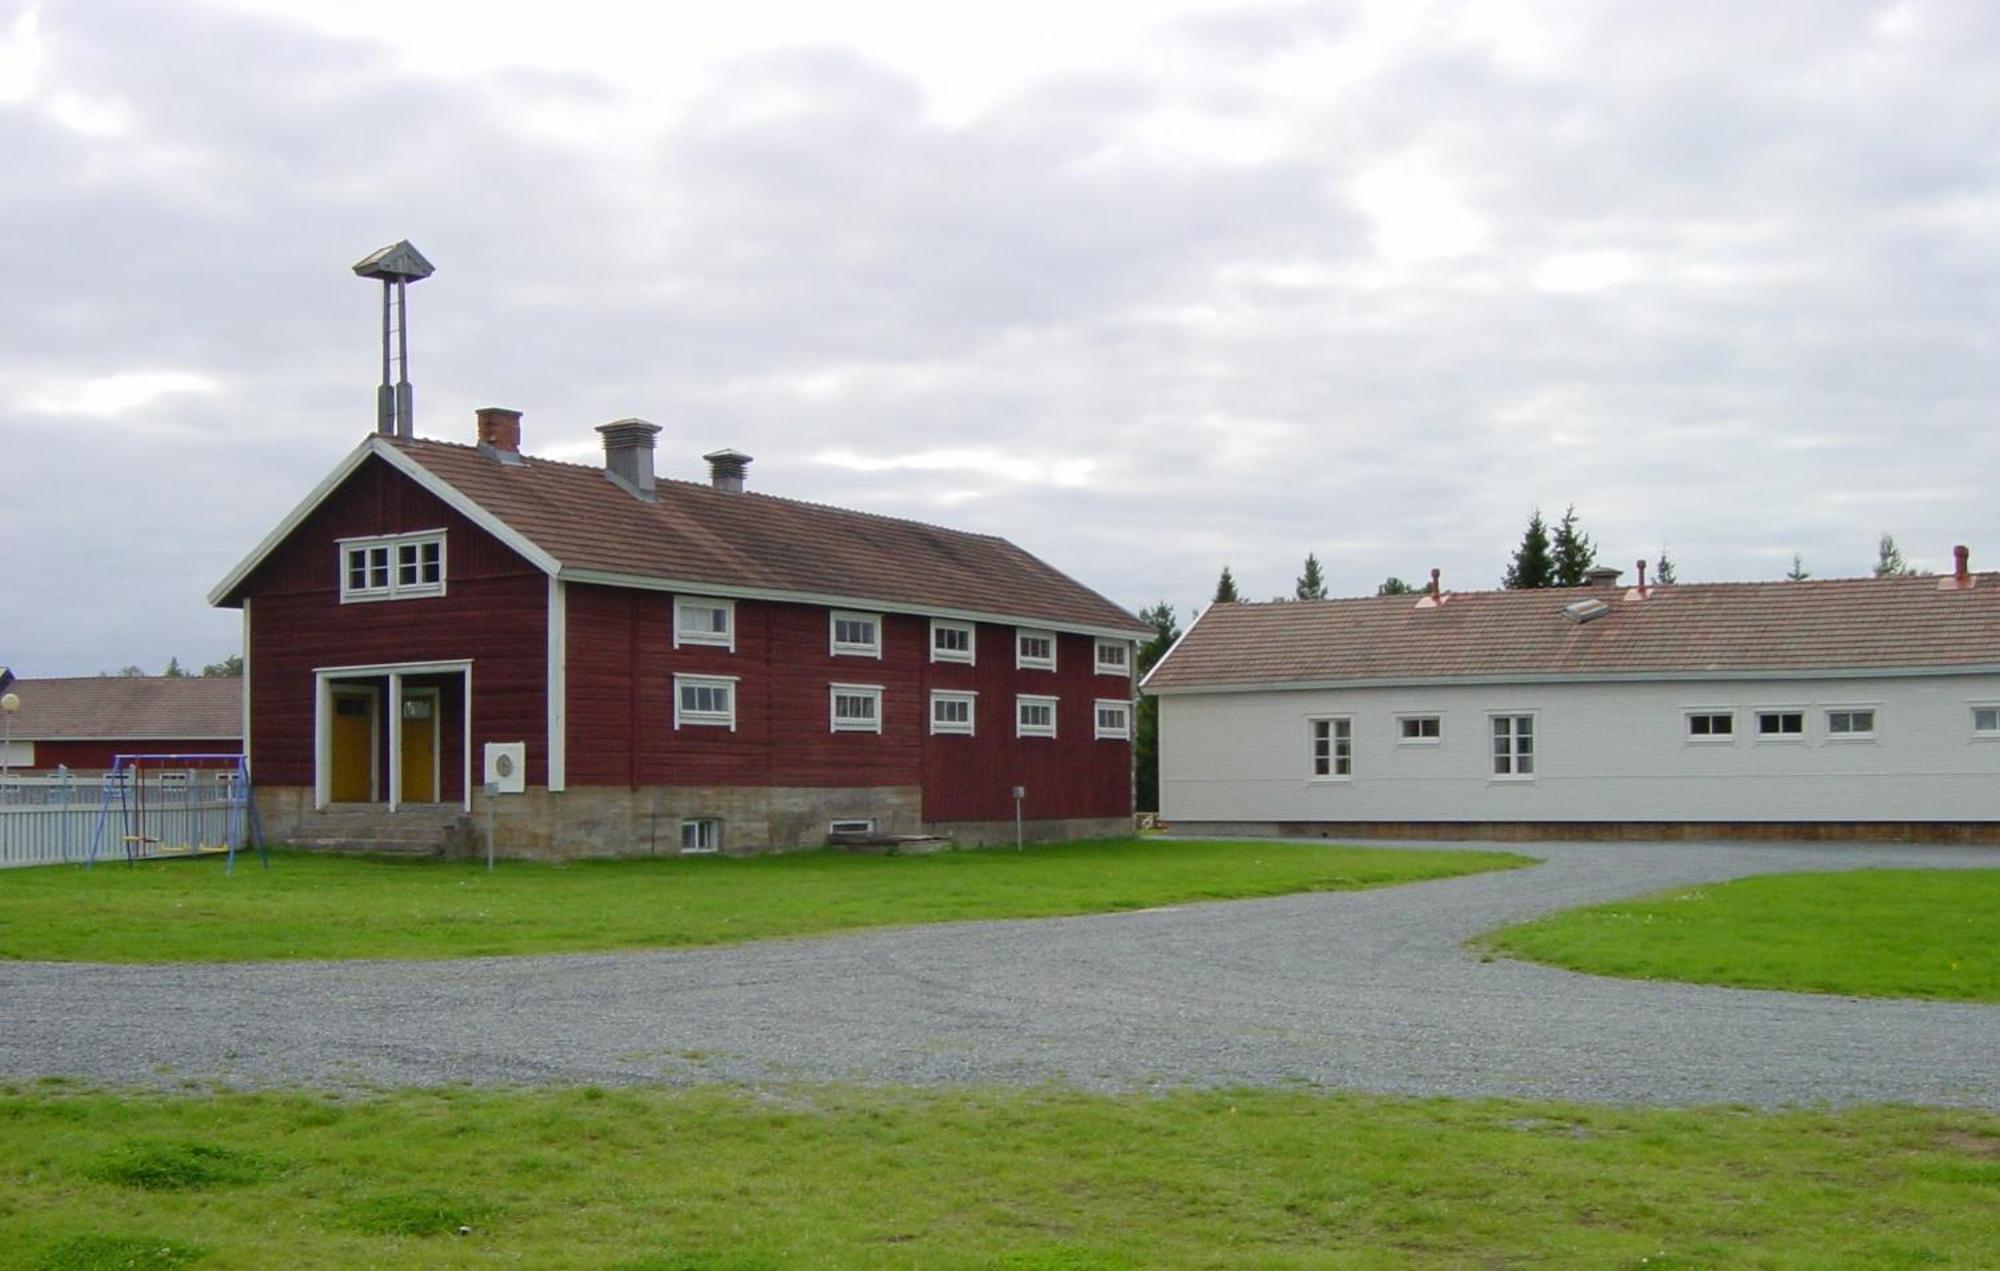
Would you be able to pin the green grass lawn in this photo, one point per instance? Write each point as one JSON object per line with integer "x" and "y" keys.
{"x": 835, "y": 1176}
{"x": 1873, "y": 933}
{"x": 317, "y": 906}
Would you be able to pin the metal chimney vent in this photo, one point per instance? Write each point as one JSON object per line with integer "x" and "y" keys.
{"x": 397, "y": 265}
{"x": 1585, "y": 611}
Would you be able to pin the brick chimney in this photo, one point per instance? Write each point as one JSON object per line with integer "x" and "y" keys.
{"x": 628, "y": 455}
{"x": 1601, "y": 576}
{"x": 499, "y": 432}
{"x": 726, "y": 468}
{"x": 1962, "y": 577}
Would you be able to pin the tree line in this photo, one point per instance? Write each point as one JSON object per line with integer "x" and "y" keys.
{"x": 231, "y": 665}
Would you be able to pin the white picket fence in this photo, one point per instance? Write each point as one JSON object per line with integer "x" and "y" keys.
{"x": 49, "y": 820}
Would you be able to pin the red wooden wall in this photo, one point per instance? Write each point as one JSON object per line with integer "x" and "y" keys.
{"x": 95, "y": 755}
{"x": 622, "y": 662}
{"x": 494, "y": 612}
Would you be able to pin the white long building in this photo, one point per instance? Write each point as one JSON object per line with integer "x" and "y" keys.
{"x": 1866, "y": 707}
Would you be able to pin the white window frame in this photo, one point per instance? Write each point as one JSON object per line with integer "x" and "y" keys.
{"x": 969, "y": 655}
{"x": 1339, "y": 747}
{"x": 1516, "y": 754}
{"x": 1757, "y": 715}
{"x": 953, "y": 728}
{"x": 1022, "y": 728}
{"x": 850, "y": 825}
{"x": 1121, "y": 731}
{"x": 1023, "y": 662}
{"x": 1985, "y": 734}
{"x": 1851, "y": 733}
{"x": 725, "y": 639}
{"x": 1710, "y": 713}
{"x": 1122, "y": 651}
{"x": 705, "y": 827}
{"x": 392, "y": 547}
{"x": 705, "y": 719}
{"x": 852, "y": 648}
{"x": 871, "y": 693}
{"x": 1403, "y": 722}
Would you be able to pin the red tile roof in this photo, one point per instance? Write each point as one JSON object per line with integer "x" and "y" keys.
{"x": 1721, "y": 628}
{"x": 698, "y": 534}
{"x": 129, "y": 708}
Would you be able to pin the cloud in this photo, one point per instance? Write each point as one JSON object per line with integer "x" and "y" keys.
{"x": 113, "y": 396}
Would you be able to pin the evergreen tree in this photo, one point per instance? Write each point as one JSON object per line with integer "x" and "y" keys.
{"x": 1146, "y": 729}
{"x": 1311, "y": 584}
{"x": 1663, "y": 573}
{"x": 1799, "y": 573}
{"x": 1889, "y": 562}
{"x": 174, "y": 671}
{"x": 1394, "y": 586}
{"x": 1573, "y": 551}
{"x": 231, "y": 665}
{"x": 1225, "y": 588}
{"x": 1532, "y": 565}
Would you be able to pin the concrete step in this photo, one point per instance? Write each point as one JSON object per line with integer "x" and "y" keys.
{"x": 422, "y": 830}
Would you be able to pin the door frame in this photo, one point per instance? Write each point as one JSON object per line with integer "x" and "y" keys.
{"x": 374, "y": 700}
{"x": 325, "y": 679}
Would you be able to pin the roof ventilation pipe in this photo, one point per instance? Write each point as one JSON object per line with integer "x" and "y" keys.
{"x": 726, "y": 469}
{"x": 1601, "y": 576}
{"x": 628, "y": 456}
{"x": 1962, "y": 578}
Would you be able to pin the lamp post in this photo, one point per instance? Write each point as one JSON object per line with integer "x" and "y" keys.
{"x": 9, "y": 703}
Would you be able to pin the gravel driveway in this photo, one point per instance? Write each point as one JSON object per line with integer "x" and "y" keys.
{"x": 1361, "y": 990}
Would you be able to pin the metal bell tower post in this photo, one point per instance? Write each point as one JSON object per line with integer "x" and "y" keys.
{"x": 397, "y": 265}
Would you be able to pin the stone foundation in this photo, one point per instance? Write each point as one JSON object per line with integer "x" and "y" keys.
{"x": 599, "y": 821}
{"x": 1978, "y": 832}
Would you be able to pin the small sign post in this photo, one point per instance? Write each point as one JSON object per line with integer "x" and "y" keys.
{"x": 1020, "y": 793}
{"x": 506, "y": 762}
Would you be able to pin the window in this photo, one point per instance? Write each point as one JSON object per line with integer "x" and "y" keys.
{"x": 951, "y": 641}
{"x": 855, "y": 826}
{"x": 701, "y": 620}
{"x": 397, "y": 567}
{"x": 701, "y": 834}
{"x": 1513, "y": 745}
{"x": 1035, "y": 649}
{"x": 708, "y": 700}
{"x": 1114, "y": 657}
{"x": 1986, "y": 721}
{"x": 1850, "y": 723}
{"x": 1711, "y": 726}
{"x": 1421, "y": 730}
{"x": 1333, "y": 748}
{"x": 855, "y": 634}
{"x": 1781, "y": 724}
{"x": 952, "y": 712}
{"x": 1034, "y": 716}
{"x": 857, "y": 708}
{"x": 1114, "y": 721}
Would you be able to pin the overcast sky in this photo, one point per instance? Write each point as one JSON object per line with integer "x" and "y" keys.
{"x": 1145, "y": 288}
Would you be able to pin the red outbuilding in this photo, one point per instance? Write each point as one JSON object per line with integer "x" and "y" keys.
{"x": 82, "y": 723}
{"x": 678, "y": 665}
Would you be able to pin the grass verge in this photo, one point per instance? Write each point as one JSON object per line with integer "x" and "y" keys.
{"x": 1870, "y": 933}
{"x": 835, "y": 1176}
{"x": 316, "y": 906}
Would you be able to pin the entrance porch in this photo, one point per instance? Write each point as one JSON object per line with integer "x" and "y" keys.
{"x": 394, "y": 735}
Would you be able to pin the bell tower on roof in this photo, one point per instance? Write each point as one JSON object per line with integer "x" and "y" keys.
{"x": 397, "y": 265}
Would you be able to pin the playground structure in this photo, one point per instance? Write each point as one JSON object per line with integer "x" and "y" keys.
{"x": 156, "y": 806}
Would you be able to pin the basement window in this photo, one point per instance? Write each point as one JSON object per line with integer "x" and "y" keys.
{"x": 1845, "y": 724}
{"x": 952, "y": 712}
{"x": 705, "y": 701}
{"x": 952, "y": 641}
{"x": 1781, "y": 725}
{"x": 392, "y": 567}
{"x": 1035, "y": 650}
{"x": 704, "y": 620}
{"x": 856, "y": 708}
{"x": 851, "y": 828}
{"x": 1114, "y": 721}
{"x": 1332, "y": 749}
{"x": 1034, "y": 716}
{"x": 701, "y": 835}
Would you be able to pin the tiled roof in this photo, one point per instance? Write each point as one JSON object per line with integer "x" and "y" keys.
{"x": 133, "y": 708}
{"x": 1723, "y": 628}
{"x": 695, "y": 533}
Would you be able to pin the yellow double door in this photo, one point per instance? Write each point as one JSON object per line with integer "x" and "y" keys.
{"x": 355, "y": 749}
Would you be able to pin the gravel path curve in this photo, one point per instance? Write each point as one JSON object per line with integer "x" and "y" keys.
{"x": 1360, "y": 990}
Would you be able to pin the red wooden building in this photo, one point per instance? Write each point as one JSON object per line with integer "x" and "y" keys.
{"x": 688, "y": 666}
{"x": 82, "y": 722}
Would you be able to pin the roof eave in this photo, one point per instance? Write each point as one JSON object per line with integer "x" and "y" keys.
{"x": 1570, "y": 677}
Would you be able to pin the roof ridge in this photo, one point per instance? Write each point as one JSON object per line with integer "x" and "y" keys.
{"x": 697, "y": 486}
{"x": 1801, "y": 583}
